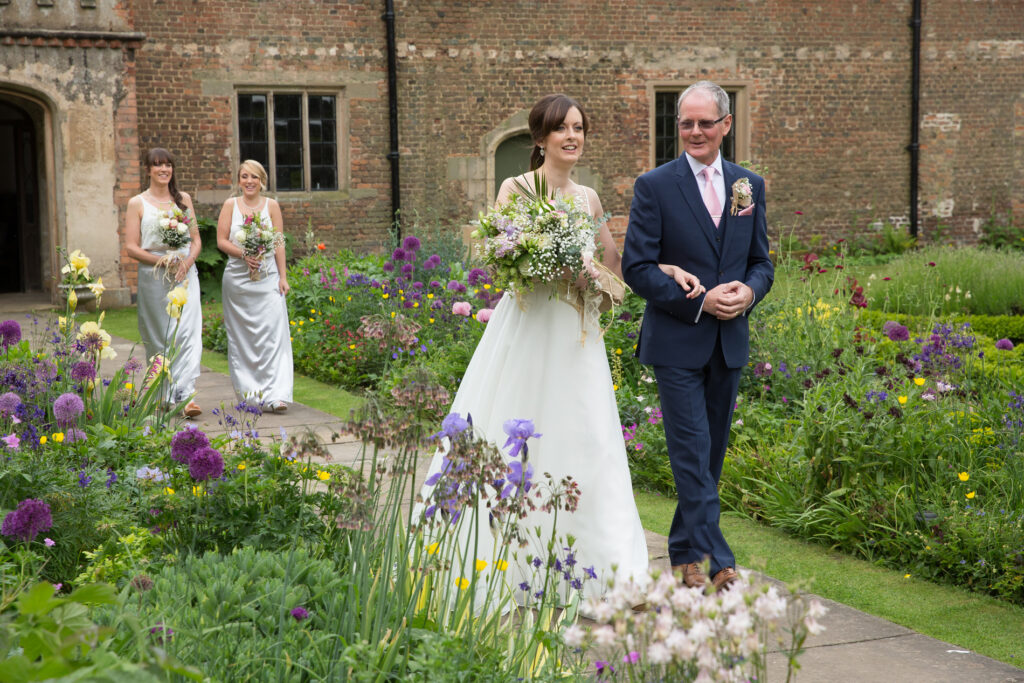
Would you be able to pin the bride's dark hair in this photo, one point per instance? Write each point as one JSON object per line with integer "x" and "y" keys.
{"x": 159, "y": 155}
{"x": 547, "y": 115}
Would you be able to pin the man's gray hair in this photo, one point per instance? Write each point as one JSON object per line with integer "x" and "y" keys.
{"x": 720, "y": 97}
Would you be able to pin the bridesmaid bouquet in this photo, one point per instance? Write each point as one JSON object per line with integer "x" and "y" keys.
{"x": 174, "y": 228}
{"x": 535, "y": 237}
{"x": 257, "y": 239}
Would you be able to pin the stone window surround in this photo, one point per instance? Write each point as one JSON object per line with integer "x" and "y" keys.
{"x": 341, "y": 136}
{"x": 740, "y": 122}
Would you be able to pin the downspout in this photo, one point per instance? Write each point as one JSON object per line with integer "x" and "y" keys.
{"x": 389, "y": 21}
{"x": 915, "y": 114}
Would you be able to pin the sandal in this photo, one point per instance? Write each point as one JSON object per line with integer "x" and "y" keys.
{"x": 192, "y": 410}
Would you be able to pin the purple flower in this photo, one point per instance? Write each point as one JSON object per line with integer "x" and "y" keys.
{"x": 9, "y": 403}
{"x": 894, "y": 331}
{"x": 186, "y": 443}
{"x": 456, "y": 286}
{"x": 12, "y": 441}
{"x": 83, "y": 371}
{"x": 1004, "y": 345}
{"x": 632, "y": 658}
{"x": 84, "y": 479}
{"x": 206, "y": 463}
{"x": 111, "y": 477}
{"x": 518, "y": 432}
{"x": 300, "y": 613}
{"x": 388, "y": 267}
{"x": 160, "y": 633}
{"x": 10, "y": 333}
{"x": 602, "y": 665}
{"x": 517, "y": 478}
{"x": 49, "y": 542}
{"x": 477, "y": 277}
{"x": 31, "y": 517}
{"x": 589, "y": 571}
{"x": 452, "y": 426}
{"x": 398, "y": 254}
{"x": 411, "y": 243}
{"x": 67, "y": 408}
{"x": 407, "y": 269}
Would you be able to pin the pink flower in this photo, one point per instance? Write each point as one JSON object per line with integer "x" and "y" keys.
{"x": 462, "y": 308}
{"x": 484, "y": 314}
{"x": 49, "y": 542}
{"x": 12, "y": 440}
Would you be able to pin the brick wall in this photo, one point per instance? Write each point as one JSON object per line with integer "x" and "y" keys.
{"x": 828, "y": 86}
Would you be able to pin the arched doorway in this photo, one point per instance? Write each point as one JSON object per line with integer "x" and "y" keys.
{"x": 511, "y": 158}
{"x": 20, "y": 224}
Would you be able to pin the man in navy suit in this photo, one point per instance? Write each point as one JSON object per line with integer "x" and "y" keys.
{"x": 706, "y": 215}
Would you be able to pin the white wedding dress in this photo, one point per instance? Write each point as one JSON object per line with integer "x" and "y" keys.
{"x": 533, "y": 362}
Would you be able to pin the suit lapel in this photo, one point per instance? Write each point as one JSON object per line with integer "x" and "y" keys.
{"x": 730, "y": 172}
{"x": 691, "y": 193}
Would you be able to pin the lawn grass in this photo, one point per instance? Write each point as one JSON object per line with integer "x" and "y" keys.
{"x": 123, "y": 322}
{"x": 976, "y": 622}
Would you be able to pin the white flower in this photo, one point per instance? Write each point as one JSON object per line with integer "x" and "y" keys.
{"x": 658, "y": 653}
{"x": 182, "y": 228}
{"x": 602, "y": 611}
{"x": 770, "y": 605}
{"x": 108, "y": 353}
{"x": 574, "y": 635}
{"x": 813, "y": 627}
{"x": 240, "y": 236}
{"x": 701, "y": 631}
{"x": 816, "y": 610}
{"x": 678, "y": 642}
{"x": 604, "y": 636}
{"x": 164, "y": 222}
{"x": 739, "y": 624}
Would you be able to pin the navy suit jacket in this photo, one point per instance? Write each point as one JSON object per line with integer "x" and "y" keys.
{"x": 668, "y": 223}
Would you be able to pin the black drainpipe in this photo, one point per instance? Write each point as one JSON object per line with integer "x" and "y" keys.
{"x": 389, "y": 21}
{"x": 915, "y": 114}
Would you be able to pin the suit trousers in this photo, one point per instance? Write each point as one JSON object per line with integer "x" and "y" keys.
{"x": 697, "y": 406}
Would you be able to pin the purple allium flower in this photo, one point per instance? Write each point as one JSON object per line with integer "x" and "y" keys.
{"x": 1004, "y": 345}
{"x": 300, "y": 613}
{"x": 10, "y": 333}
{"x": 477, "y": 276}
{"x": 31, "y": 517}
{"x": 407, "y": 269}
{"x": 206, "y": 463}
{"x": 894, "y": 331}
{"x": 452, "y": 426}
{"x": 518, "y": 432}
{"x": 186, "y": 443}
{"x": 150, "y": 474}
{"x": 67, "y": 408}
{"x": 456, "y": 286}
{"x": 83, "y": 371}
{"x": 411, "y": 243}
{"x": 9, "y": 403}
{"x": 398, "y": 254}
{"x": 388, "y": 267}
{"x": 434, "y": 284}
{"x": 74, "y": 434}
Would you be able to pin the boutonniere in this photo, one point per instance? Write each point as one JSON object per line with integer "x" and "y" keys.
{"x": 742, "y": 195}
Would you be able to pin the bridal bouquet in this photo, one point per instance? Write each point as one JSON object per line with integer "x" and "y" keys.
{"x": 535, "y": 238}
{"x": 174, "y": 228}
{"x": 257, "y": 239}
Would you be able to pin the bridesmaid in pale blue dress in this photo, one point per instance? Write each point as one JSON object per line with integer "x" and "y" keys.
{"x": 177, "y": 267}
{"x": 254, "y": 289}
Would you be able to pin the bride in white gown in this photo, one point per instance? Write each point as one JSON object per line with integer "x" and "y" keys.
{"x": 535, "y": 362}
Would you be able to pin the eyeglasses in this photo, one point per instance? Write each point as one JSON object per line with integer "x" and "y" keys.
{"x": 687, "y": 124}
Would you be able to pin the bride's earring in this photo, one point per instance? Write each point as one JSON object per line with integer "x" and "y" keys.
{"x": 542, "y": 151}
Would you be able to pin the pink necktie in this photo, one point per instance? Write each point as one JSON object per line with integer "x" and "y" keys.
{"x": 711, "y": 197}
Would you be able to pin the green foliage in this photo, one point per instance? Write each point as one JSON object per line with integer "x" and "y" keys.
{"x": 944, "y": 281}
{"x": 994, "y": 326}
{"x": 211, "y": 260}
{"x": 999, "y": 232}
{"x": 44, "y": 638}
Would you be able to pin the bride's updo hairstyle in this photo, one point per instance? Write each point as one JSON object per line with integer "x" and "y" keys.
{"x": 157, "y": 156}
{"x": 255, "y": 168}
{"x": 546, "y": 115}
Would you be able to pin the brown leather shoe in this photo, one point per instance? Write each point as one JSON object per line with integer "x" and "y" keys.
{"x": 724, "y": 579}
{"x": 692, "y": 573}
{"x": 192, "y": 409}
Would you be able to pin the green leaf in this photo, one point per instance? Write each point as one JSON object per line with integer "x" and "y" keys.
{"x": 95, "y": 594}
{"x": 38, "y": 599}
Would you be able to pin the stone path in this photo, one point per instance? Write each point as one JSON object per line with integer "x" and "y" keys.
{"x": 854, "y": 647}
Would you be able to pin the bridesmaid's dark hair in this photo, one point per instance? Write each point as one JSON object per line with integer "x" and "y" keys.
{"x": 547, "y": 115}
{"x": 159, "y": 155}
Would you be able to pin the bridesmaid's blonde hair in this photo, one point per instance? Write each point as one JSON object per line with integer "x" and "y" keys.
{"x": 256, "y": 168}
